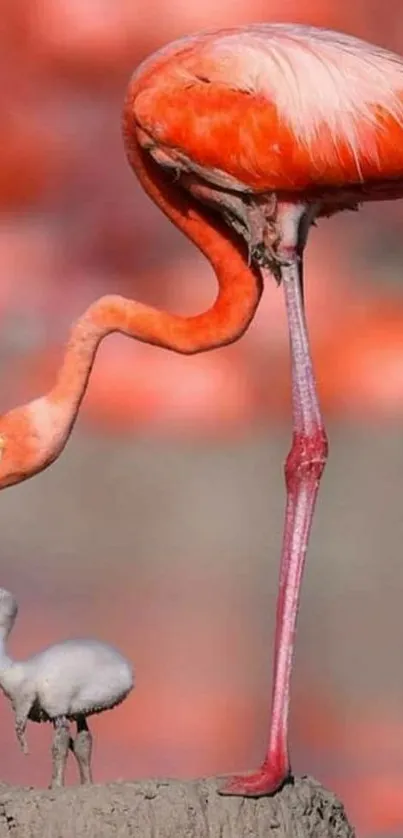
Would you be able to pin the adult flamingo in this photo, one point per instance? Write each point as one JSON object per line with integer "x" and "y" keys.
{"x": 243, "y": 137}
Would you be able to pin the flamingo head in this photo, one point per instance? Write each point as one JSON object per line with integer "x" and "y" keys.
{"x": 21, "y": 453}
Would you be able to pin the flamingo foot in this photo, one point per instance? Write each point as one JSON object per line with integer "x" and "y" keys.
{"x": 268, "y": 780}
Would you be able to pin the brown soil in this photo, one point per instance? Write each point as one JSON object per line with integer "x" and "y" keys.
{"x": 170, "y": 809}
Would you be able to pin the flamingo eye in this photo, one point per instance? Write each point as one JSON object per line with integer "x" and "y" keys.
{"x": 2, "y": 444}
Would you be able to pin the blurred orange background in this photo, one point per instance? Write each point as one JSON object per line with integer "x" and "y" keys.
{"x": 159, "y": 529}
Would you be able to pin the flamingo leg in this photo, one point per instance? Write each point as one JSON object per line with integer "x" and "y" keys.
{"x": 303, "y": 470}
{"x": 82, "y": 750}
{"x": 60, "y": 749}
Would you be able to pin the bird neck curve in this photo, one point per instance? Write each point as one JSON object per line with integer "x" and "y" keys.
{"x": 5, "y": 659}
{"x": 63, "y": 402}
{"x": 12, "y": 676}
{"x": 239, "y": 283}
{"x": 239, "y": 292}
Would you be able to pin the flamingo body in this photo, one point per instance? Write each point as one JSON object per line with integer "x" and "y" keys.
{"x": 274, "y": 107}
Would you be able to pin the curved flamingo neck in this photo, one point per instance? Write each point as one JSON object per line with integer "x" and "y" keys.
{"x": 239, "y": 291}
{"x": 113, "y": 313}
{"x": 239, "y": 283}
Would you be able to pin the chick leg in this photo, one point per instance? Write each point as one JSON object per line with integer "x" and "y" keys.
{"x": 82, "y": 749}
{"x": 60, "y": 749}
{"x": 22, "y": 706}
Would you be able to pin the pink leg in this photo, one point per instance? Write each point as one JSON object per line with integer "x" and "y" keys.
{"x": 303, "y": 470}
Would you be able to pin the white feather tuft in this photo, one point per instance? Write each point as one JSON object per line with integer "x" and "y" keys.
{"x": 315, "y": 77}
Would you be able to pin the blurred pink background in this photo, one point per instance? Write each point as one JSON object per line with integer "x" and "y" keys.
{"x": 159, "y": 529}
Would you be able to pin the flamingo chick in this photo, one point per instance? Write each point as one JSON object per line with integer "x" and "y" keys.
{"x": 65, "y": 682}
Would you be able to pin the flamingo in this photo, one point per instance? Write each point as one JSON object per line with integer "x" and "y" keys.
{"x": 243, "y": 137}
{"x": 68, "y": 681}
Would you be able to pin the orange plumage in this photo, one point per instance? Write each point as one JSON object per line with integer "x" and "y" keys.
{"x": 187, "y": 107}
